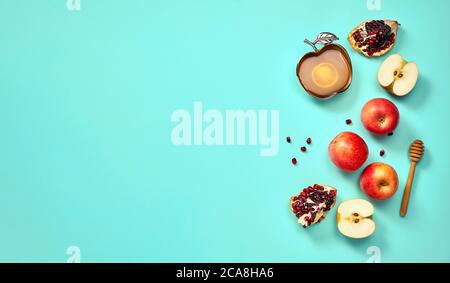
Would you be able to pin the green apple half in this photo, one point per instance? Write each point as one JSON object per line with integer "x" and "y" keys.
{"x": 354, "y": 218}
{"x": 398, "y": 76}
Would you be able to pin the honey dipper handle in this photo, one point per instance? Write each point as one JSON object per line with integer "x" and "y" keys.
{"x": 407, "y": 192}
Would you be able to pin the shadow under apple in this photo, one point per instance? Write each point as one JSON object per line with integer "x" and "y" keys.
{"x": 401, "y": 139}
{"x": 376, "y": 239}
{"x": 418, "y": 96}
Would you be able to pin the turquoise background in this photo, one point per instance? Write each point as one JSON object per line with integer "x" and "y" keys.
{"x": 87, "y": 160}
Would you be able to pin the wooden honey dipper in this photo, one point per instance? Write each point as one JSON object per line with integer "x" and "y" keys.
{"x": 416, "y": 151}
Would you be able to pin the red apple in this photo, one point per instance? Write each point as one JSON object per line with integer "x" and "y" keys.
{"x": 348, "y": 151}
{"x": 379, "y": 181}
{"x": 380, "y": 116}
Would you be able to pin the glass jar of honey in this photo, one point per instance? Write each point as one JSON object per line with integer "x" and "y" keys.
{"x": 325, "y": 72}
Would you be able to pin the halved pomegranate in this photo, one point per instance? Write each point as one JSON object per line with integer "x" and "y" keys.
{"x": 312, "y": 204}
{"x": 374, "y": 38}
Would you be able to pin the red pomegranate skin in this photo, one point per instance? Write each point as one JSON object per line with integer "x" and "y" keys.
{"x": 380, "y": 116}
{"x": 348, "y": 151}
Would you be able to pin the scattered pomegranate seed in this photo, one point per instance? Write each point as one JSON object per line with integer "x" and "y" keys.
{"x": 382, "y": 152}
{"x": 288, "y": 139}
{"x": 391, "y": 133}
{"x": 294, "y": 161}
{"x": 303, "y": 148}
{"x": 348, "y": 121}
{"x": 308, "y": 140}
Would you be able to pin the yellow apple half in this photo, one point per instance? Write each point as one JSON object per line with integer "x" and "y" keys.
{"x": 354, "y": 218}
{"x": 398, "y": 76}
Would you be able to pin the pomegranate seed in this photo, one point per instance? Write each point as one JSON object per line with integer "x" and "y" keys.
{"x": 288, "y": 139}
{"x": 348, "y": 121}
{"x": 308, "y": 140}
{"x": 382, "y": 152}
{"x": 303, "y": 148}
{"x": 294, "y": 161}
